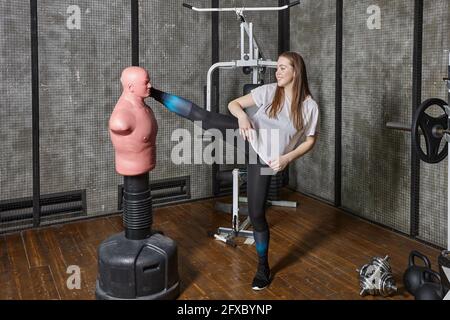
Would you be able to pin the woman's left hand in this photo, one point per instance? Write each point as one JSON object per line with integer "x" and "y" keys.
{"x": 279, "y": 164}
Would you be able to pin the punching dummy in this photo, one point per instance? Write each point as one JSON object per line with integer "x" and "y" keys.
{"x": 138, "y": 263}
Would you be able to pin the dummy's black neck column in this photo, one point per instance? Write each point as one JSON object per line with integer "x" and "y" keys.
{"x": 137, "y": 207}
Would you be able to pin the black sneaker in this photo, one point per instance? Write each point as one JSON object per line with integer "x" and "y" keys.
{"x": 261, "y": 280}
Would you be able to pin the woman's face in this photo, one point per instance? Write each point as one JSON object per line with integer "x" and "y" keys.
{"x": 285, "y": 72}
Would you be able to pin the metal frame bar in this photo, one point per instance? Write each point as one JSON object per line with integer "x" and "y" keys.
{"x": 240, "y": 10}
{"x": 447, "y": 80}
{"x": 215, "y": 46}
{"x": 415, "y": 103}
{"x": 283, "y": 28}
{"x": 135, "y": 32}
{"x": 338, "y": 105}
{"x": 35, "y": 112}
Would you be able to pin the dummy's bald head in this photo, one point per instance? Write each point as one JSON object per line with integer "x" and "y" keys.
{"x": 131, "y": 74}
{"x": 135, "y": 81}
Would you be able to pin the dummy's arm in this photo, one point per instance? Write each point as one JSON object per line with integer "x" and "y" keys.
{"x": 122, "y": 123}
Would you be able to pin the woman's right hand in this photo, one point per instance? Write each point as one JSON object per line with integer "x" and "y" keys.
{"x": 245, "y": 128}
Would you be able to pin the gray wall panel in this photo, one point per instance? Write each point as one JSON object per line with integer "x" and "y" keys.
{"x": 16, "y": 174}
{"x": 79, "y": 86}
{"x": 377, "y": 75}
{"x": 313, "y": 35}
{"x": 175, "y": 47}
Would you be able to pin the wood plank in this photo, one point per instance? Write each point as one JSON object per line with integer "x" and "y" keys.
{"x": 19, "y": 267}
{"x": 9, "y": 289}
{"x": 37, "y": 252}
{"x": 42, "y": 284}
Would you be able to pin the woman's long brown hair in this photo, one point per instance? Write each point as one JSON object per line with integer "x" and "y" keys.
{"x": 300, "y": 91}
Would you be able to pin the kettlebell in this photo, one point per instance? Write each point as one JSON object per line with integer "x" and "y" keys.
{"x": 430, "y": 290}
{"x": 414, "y": 276}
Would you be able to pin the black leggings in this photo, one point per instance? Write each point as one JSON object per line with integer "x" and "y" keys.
{"x": 257, "y": 191}
{"x": 190, "y": 111}
{"x": 257, "y": 183}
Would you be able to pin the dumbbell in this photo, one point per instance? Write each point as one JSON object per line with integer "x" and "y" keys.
{"x": 376, "y": 278}
{"x": 368, "y": 269}
{"x": 383, "y": 264}
{"x": 374, "y": 285}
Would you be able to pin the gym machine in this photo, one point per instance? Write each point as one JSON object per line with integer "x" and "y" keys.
{"x": 251, "y": 61}
{"x": 431, "y": 127}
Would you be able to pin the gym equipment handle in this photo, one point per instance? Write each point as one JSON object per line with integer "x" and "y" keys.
{"x": 241, "y": 10}
{"x": 398, "y": 126}
{"x": 404, "y": 127}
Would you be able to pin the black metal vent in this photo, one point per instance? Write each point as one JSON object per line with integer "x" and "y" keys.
{"x": 56, "y": 206}
{"x": 164, "y": 191}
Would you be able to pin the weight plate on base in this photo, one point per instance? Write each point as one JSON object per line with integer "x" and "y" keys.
{"x": 432, "y": 130}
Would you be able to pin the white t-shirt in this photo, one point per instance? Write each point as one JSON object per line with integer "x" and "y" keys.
{"x": 278, "y": 136}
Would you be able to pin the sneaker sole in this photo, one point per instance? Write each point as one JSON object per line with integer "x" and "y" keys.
{"x": 258, "y": 288}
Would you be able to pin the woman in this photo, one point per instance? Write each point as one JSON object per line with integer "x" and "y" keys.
{"x": 287, "y": 111}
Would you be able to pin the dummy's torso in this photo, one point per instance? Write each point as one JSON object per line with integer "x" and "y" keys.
{"x": 135, "y": 148}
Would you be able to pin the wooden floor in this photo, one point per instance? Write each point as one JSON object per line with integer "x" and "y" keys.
{"x": 314, "y": 251}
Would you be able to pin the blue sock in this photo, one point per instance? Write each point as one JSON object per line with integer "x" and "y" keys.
{"x": 262, "y": 246}
{"x": 174, "y": 103}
